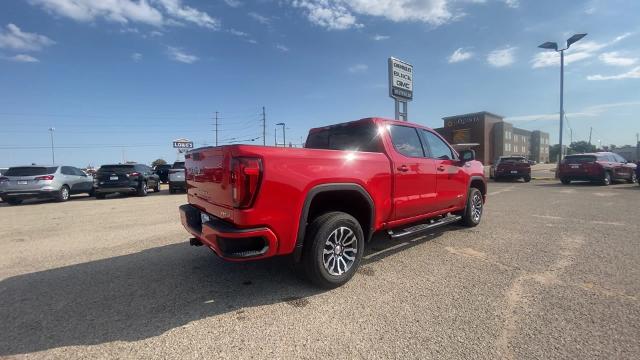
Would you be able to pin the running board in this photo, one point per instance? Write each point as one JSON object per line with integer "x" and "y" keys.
{"x": 424, "y": 227}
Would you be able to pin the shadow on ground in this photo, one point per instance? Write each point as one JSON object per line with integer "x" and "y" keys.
{"x": 145, "y": 294}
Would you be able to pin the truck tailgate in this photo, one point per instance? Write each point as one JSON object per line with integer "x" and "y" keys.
{"x": 208, "y": 180}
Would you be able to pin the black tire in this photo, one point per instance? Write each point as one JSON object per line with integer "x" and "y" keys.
{"x": 633, "y": 178}
{"x": 318, "y": 237}
{"x": 157, "y": 188}
{"x": 475, "y": 207}
{"x": 606, "y": 179}
{"x": 142, "y": 189}
{"x": 101, "y": 196}
{"x": 13, "y": 201}
{"x": 92, "y": 193}
{"x": 527, "y": 178}
{"x": 496, "y": 179}
{"x": 172, "y": 190}
{"x": 565, "y": 181}
{"x": 64, "y": 194}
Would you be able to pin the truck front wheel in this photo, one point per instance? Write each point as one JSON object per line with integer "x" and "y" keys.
{"x": 334, "y": 245}
{"x": 475, "y": 206}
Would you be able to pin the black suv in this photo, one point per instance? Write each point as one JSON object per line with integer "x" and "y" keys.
{"x": 163, "y": 172}
{"x": 126, "y": 179}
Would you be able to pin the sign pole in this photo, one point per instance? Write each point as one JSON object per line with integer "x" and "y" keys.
{"x": 397, "y": 116}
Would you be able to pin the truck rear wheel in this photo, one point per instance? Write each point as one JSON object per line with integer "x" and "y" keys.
{"x": 475, "y": 206}
{"x": 334, "y": 245}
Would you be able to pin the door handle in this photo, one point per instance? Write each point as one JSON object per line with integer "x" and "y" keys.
{"x": 441, "y": 168}
{"x": 403, "y": 168}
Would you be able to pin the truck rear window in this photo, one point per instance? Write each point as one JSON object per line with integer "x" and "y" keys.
{"x": 353, "y": 137}
{"x": 30, "y": 171}
{"x": 178, "y": 165}
{"x": 513, "y": 160}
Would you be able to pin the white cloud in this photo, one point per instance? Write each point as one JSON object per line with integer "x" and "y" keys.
{"x": 341, "y": 14}
{"x": 260, "y": 18}
{"x": 632, "y": 74}
{"x": 238, "y": 33}
{"x": 380, "y": 37}
{"x": 460, "y": 55}
{"x": 330, "y": 14}
{"x": 502, "y": 57}
{"x": 23, "y": 58}
{"x": 126, "y": 11}
{"x": 614, "y": 58}
{"x": 176, "y": 9}
{"x": 358, "y": 68}
{"x": 136, "y": 57}
{"x": 579, "y": 51}
{"x": 589, "y": 111}
{"x": 178, "y": 55}
{"x": 121, "y": 11}
{"x": 282, "y": 48}
{"x": 234, "y": 3}
{"x": 14, "y": 38}
{"x": 512, "y": 3}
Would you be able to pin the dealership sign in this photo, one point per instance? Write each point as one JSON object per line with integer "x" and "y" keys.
{"x": 400, "y": 80}
{"x": 182, "y": 144}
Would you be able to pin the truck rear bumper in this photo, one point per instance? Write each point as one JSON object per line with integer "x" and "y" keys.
{"x": 226, "y": 240}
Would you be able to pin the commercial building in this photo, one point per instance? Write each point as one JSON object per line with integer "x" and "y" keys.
{"x": 495, "y": 137}
{"x": 629, "y": 153}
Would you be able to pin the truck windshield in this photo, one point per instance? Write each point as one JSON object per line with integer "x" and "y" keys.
{"x": 354, "y": 137}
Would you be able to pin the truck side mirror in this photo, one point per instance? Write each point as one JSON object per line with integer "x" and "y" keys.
{"x": 467, "y": 155}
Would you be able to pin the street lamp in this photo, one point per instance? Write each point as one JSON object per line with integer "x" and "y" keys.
{"x": 284, "y": 139}
{"x": 554, "y": 46}
{"x": 53, "y": 155}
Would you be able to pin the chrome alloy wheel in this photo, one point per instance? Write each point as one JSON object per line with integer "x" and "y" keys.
{"x": 340, "y": 251}
{"x": 64, "y": 193}
{"x": 476, "y": 207}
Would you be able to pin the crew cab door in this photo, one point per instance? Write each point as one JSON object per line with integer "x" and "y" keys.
{"x": 414, "y": 174}
{"x": 451, "y": 180}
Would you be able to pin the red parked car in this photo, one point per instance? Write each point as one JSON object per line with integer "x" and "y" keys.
{"x": 602, "y": 167}
{"x": 511, "y": 167}
{"x": 321, "y": 204}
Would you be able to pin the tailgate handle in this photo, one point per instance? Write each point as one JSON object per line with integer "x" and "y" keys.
{"x": 403, "y": 168}
{"x": 441, "y": 168}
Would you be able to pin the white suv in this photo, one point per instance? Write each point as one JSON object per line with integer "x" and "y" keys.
{"x": 176, "y": 177}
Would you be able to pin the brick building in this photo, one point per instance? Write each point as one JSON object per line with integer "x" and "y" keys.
{"x": 495, "y": 137}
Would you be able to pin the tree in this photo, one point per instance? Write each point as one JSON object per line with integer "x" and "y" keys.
{"x": 554, "y": 150}
{"x": 157, "y": 162}
{"x": 579, "y": 147}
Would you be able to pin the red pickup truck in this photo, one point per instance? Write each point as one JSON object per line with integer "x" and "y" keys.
{"x": 321, "y": 203}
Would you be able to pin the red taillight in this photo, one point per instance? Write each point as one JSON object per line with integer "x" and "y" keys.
{"x": 245, "y": 179}
{"x": 135, "y": 173}
{"x": 46, "y": 177}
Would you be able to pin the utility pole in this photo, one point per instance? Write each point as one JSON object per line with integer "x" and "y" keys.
{"x": 53, "y": 154}
{"x": 216, "y": 128}
{"x": 570, "y": 136}
{"x": 590, "y": 132}
{"x": 264, "y": 127}
{"x": 275, "y": 137}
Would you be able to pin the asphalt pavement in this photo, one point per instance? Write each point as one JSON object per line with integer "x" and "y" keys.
{"x": 551, "y": 272}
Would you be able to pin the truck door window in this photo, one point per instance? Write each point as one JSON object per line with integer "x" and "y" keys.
{"x": 406, "y": 141}
{"x": 438, "y": 148}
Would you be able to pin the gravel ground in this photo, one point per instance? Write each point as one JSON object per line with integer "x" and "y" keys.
{"x": 552, "y": 272}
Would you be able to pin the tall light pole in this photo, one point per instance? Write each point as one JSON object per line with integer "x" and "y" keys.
{"x": 53, "y": 155}
{"x": 554, "y": 46}
{"x": 284, "y": 138}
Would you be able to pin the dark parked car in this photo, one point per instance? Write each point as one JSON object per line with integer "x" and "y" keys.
{"x": 602, "y": 167}
{"x": 126, "y": 179}
{"x": 511, "y": 167}
{"x": 163, "y": 172}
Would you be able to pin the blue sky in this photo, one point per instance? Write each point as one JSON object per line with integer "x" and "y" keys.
{"x": 122, "y": 78}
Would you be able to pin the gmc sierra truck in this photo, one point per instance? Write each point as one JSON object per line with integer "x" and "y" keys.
{"x": 321, "y": 203}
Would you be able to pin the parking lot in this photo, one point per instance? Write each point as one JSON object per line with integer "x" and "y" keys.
{"x": 551, "y": 272}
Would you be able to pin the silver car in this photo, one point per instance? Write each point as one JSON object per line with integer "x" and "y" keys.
{"x": 50, "y": 182}
{"x": 176, "y": 177}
